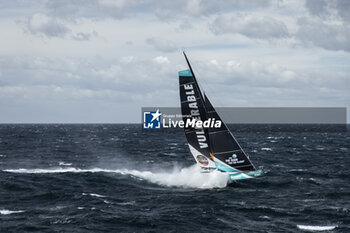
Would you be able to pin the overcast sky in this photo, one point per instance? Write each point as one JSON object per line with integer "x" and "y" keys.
{"x": 90, "y": 61}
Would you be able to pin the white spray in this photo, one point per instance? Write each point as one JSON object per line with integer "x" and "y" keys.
{"x": 189, "y": 177}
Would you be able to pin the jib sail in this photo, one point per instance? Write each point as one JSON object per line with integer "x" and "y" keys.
{"x": 227, "y": 153}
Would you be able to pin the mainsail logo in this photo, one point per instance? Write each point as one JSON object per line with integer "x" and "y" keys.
{"x": 193, "y": 106}
{"x": 151, "y": 120}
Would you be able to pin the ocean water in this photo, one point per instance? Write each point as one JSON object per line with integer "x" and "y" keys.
{"x": 118, "y": 178}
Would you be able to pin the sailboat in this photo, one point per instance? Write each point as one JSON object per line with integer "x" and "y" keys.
{"x": 214, "y": 149}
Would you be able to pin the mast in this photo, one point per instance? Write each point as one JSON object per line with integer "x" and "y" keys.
{"x": 194, "y": 77}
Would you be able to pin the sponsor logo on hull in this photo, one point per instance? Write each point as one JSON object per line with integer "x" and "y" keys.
{"x": 202, "y": 160}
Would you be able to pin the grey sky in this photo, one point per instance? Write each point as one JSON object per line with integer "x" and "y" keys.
{"x": 90, "y": 61}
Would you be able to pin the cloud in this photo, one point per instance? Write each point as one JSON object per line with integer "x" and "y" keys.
{"x": 192, "y": 8}
{"x": 227, "y": 17}
{"x": 343, "y": 7}
{"x": 92, "y": 74}
{"x": 124, "y": 54}
{"x": 169, "y": 9}
{"x": 77, "y": 85}
{"x": 48, "y": 26}
{"x": 162, "y": 45}
{"x": 161, "y": 60}
{"x": 243, "y": 4}
{"x": 257, "y": 83}
{"x": 332, "y": 36}
{"x": 252, "y": 73}
{"x": 327, "y": 26}
{"x": 96, "y": 9}
{"x": 316, "y": 7}
{"x": 84, "y": 36}
{"x": 329, "y": 9}
{"x": 166, "y": 9}
{"x": 251, "y": 26}
{"x": 42, "y": 24}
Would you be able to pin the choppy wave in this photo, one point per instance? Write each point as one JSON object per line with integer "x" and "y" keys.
{"x": 125, "y": 182}
{"x": 64, "y": 164}
{"x": 57, "y": 170}
{"x": 6, "y": 212}
{"x": 316, "y": 228}
{"x": 93, "y": 194}
{"x": 189, "y": 177}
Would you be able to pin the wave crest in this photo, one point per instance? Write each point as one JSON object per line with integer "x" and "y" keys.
{"x": 6, "y": 212}
{"x": 316, "y": 228}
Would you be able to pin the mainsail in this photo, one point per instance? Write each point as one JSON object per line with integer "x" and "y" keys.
{"x": 211, "y": 147}
{"x": 193, "y": 108}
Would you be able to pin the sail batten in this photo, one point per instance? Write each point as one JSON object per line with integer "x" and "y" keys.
{"x": 224, "y": 152}
{"x": 216, "y": 132}
{"x": 186, "y": 101}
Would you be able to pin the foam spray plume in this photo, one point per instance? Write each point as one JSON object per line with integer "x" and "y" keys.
{"x": 189, "y": 177}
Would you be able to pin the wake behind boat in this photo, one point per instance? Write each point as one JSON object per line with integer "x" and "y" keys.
{"x": 213, "y": 148}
